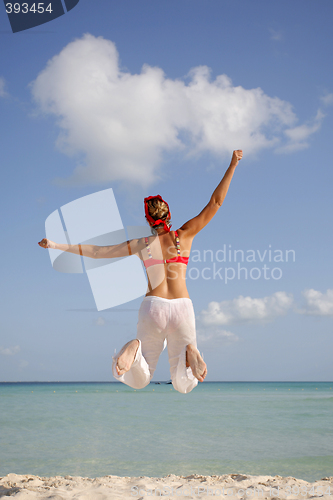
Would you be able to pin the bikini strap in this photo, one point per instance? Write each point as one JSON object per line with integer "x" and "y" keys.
{"x": 148, "y": 248}
{"x": 177, "y": 243}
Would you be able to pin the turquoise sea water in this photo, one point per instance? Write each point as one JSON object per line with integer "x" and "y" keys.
{"x": 98, "y": 429}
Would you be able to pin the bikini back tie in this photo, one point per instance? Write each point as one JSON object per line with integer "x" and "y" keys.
{"x": 153, "y": 262}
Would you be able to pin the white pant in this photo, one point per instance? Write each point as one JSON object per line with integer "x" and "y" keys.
{"x": 161, "y": 319}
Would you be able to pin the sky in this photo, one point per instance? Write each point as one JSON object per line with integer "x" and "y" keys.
{"x": 151, "y": 97}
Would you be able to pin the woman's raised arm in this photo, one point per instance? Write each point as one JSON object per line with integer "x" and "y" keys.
{"x": 124, "y": 249}
{"x": 193, "y": 226}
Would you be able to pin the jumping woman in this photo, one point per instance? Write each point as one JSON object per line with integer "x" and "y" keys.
{"x": 166, "y": 313}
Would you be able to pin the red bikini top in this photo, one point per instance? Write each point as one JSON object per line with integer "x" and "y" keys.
{"x": 153, "y": 262}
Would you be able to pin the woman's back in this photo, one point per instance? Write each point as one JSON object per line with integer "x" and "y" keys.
{"x": 167, "y": 279}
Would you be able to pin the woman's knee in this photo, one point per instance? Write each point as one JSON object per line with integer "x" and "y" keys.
{"x": 136, "y": 382}
{"x": 184, "y": 388}
{"x": 140, "y": 385}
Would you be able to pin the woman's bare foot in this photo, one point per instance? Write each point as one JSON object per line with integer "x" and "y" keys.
{"x": 127, "y": 356}
{"x": 195, "y": 361}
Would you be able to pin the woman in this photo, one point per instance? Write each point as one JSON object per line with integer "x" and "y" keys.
{"x": 166, "y": 313}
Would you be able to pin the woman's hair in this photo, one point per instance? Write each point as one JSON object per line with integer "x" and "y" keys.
{"x": 158, "y": 210}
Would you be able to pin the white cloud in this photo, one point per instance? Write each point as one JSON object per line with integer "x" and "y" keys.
{"x": 3, "y": 93}
{"x": 9, "y": 351}
{"x": 246, "y": 309}
{"x": 298, "y": 136}
{"x": 214, "y": 334}
{"x": 276, "y": 35}
{"x": 317, "y": 303}
{"x": 100, "y": 321}
{"x": 327, "y": 99}
{"x": 118, "y": 125}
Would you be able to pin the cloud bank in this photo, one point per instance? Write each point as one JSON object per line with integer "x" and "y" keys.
{"x": 298, "y": 136}
{"x": 246, "y": 309}
{"x": 120, "y": 125}
{"x": 317, "y": 303}
{"x": 327, "y": 99}
{"x": 215, "y": 335}
{"x": 260, "y": 310}
{"x": 9, "y": 351}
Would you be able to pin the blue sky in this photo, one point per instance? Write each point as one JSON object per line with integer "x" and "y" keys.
{"x": 136, "y": 98}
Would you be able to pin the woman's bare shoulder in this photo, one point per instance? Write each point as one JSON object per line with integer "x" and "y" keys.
{"x": 184, "y": 233}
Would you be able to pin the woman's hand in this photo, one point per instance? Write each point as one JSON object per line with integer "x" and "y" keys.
{"x": 236, "y": 156}
{"x": 45, "y": 243}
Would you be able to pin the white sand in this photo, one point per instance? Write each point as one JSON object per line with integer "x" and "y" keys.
{"x": 229, "y": 486}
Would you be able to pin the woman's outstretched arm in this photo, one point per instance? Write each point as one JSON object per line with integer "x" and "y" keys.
{"x": 96, "y": 252}
{"x": 193, "y": 226}
{"x": 222, "y": 189}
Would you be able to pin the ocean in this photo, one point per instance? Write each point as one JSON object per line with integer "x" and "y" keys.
{"x": 98, "y": 429}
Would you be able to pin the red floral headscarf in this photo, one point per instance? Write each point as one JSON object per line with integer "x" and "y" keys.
{"x": 150, "y": 219}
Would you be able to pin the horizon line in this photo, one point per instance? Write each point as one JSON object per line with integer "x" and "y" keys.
{"x": 161, "y": 381}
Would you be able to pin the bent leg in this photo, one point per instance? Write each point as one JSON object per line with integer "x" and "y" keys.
{"x": 182, "y": 376}
{"x": 196, "y": 362}
{"x": 138, "y": 376}
{"x": 150, "y": 327}
{"x": 181, "y": 334}
{"x": 126, "y": 356}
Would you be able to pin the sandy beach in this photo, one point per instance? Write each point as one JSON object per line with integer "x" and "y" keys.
{"x": 231, "y": 486}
